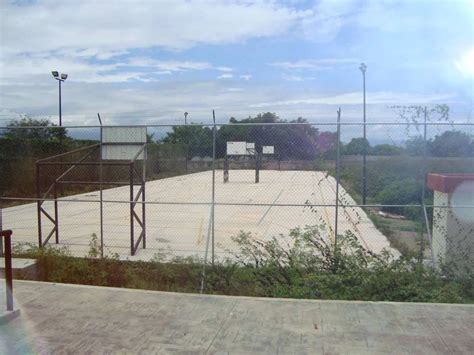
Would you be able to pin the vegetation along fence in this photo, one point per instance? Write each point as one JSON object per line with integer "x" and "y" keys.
{"x": 212, "y": 188}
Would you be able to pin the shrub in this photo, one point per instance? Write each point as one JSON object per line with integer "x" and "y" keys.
{"x": 303, "y": 264}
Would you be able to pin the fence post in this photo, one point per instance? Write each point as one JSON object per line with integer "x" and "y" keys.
{"x": 226, "y": 169}
{"x": 132, "y": 220}
{"x": 186, "y": 159}
{"x": 213, "y": 181}
{"x": 56, "y": 212}
{"x": 257, "y": 167}
{"x": 337, "y": 175}
{"x": 1, "y": 228}
{"x": 423, "y": 190}
{"x": 38, "y": 204}
{"x": 101, "y": 193}
{"x": 101, "y": 206}
{"x": 144, "y": 199}
{"x": 8, "y": 268}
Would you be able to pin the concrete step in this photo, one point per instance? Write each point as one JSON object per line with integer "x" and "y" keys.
{"x": 21, "y": 267}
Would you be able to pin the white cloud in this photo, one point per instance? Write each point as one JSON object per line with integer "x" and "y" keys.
{"x": 354, "y": 98}
{"x": 225, "y": 76}
{"x": 31, "y": 69}
{"x": 225, "y": 69}
{"x": 316, "y": 64}
{"x": 91, "y": 52}
{"x": 292, "y": 77}
{"x": 47, "y": 25}
{"x": 246, "y": 77}
{"x": 327, "y": 18}
{"x": 168, "y": 65}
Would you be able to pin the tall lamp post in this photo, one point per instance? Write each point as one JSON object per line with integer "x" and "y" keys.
{"x": 363, "y": 68}
{"x": 185, "y": 118}
{"x": 60, "y": 78}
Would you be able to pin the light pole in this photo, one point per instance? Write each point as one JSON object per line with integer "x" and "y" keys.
{"x": 60, "y": 79}
{"x": 363, "y": 68}
{"x": 185, "y": 118}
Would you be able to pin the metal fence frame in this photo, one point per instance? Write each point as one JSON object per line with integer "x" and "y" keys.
{"x": 71, "y": 165}
{"x": 210, "y": 242}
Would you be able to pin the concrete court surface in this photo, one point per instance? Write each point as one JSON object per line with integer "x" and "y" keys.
{"x": 182, "y": 229}
{"x": 72, "y": 319}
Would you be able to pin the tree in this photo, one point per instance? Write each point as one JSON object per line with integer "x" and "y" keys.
{"x": 401, "y": 192}
{"x": 415, "y": 145}
{"x": 150, "y": 137}
{"x": 326, "y": 144}
{"x": 295, "y": 139}
{"x": 386, "y": 149}
{"x": 44, "y": 130}
{"x": 197, "y": 139}
{"x": 451, "y": 144}
{"x": 357, "y": 146}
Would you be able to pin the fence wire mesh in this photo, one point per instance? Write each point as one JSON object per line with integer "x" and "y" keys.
{"x": 200, "y": 198}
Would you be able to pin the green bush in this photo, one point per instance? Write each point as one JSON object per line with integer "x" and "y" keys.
{"x": 401, "y": 192}
{"x": 301, "y": 265}
{"x": 314, "y": 268}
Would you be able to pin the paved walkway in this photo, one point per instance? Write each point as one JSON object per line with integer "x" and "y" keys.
{"x": 84, "y": 319}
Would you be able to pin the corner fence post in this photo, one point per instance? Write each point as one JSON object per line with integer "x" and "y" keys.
{"x": 337, "y": 175}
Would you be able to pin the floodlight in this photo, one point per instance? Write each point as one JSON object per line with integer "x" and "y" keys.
{"x": 64, "y": 76}
{"x": 55, "y": 74}
{"x": 362, "y": 67}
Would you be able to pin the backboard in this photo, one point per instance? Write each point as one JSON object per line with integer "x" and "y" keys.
{"x": 268, "y": 149}
{"x": 236, "y": 148}
{"x": 123, "y": 143}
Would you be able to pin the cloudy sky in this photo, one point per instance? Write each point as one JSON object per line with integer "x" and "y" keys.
{"x": 150, "y": 61}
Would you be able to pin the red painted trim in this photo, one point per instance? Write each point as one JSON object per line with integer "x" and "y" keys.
{"x": 447, "y": 182}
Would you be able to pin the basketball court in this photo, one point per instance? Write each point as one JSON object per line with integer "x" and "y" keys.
{"x": 178, "y": 214}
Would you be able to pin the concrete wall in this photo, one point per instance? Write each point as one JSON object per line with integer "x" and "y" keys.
{"x": 453, "y": 228}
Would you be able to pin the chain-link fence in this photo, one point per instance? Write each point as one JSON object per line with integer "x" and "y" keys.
{"x": 200, "y": 186}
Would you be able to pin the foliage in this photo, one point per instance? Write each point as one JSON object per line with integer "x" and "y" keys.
{"x": 401, "y": 192}
{"x": 447, "y": 144}
{"x": 291, "y": 141}
{"x": 398, "y": 179}
{"x": 451, "y": 144}
{"x": 386, "y": 149}
{"x": 357, "y": 146}
{"x": 197, "y": 138}
{"x": 315, "y": 268}
{"x": 415, "y": 146}
{"x": 17, "y": 130}
{"x": 415, "y": 115}
{"x": 301, "y": 265}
